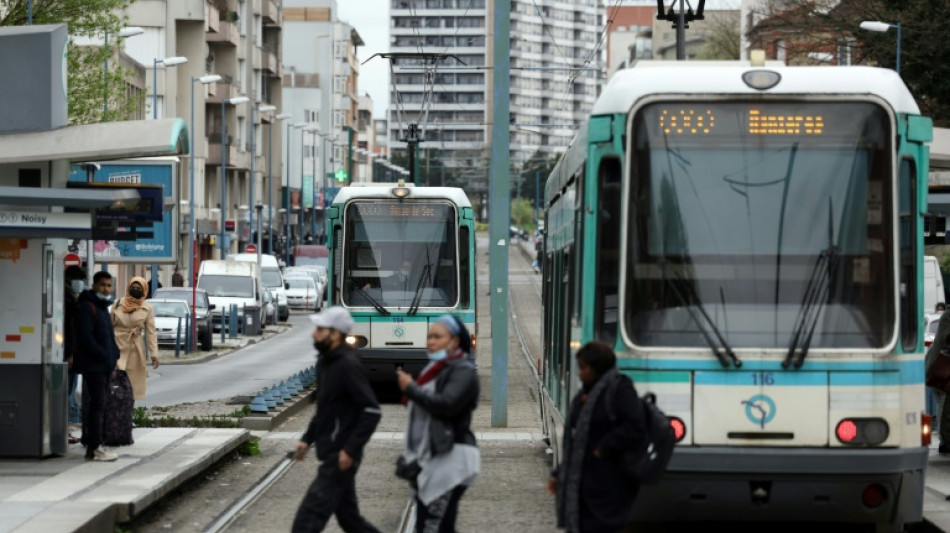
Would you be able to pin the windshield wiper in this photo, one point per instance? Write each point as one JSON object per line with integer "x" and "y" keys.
{"x": 378, "y": 306}
{"x": 417, "y": 297}
{"x": 818, "y": 291}
{"x": 724, "y": 358}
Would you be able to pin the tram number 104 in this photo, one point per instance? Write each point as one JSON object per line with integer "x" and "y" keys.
{"x": 763, "y": 378}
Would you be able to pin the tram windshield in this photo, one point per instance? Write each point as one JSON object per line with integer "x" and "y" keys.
{"x": 400, "y": 254}
{"x": 747, "y": 217}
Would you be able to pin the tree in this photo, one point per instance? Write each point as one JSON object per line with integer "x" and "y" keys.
{"x": 534, "y": 171}
{"x": 720, "y": 30}
{"x": 90, "y": 87}
{"x": 833, "y": 27}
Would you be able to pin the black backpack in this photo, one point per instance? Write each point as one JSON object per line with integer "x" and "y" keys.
{"x": 646, "y": 463}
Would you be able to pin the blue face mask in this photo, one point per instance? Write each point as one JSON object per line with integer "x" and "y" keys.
{"x": 437, "y": 355}
{"x": 103, "y": 297}
{"x": 77, "y": 286}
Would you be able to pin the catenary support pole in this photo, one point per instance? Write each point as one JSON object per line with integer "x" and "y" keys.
{"x": 499, "y": 214}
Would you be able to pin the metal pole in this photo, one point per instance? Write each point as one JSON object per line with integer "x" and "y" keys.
{"x": 537, "y": 194}
{"x": 287, "y": 203}
{"x": 681, "y": 32}
{"x": 259, "y": 209}
{"x": 90, "y": 244}
{"x": 250, "y": 221}
{"x": 323, "y": 172}
{"x": 105, "y": 76}
{"x": 29, "y": 13}
{"x": 191, "y": 206}
{"x": 270, "y": 188}
{"x": 303, "y": 136}
{"x": 154, "y": 268}
{"x": 899, "y": 48}
{"x": 224, "y": 164}
{"x": 500, "y": 191}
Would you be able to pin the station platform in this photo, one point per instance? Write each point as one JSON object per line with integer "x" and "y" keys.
{"x": 70, "y": 494}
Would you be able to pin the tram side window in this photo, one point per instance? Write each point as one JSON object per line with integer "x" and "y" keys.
{"x": 607, "y": 286}
{"x": 908, "y": 254}
{"x": 338, "y": 262}
{"x": 464, "y": 270}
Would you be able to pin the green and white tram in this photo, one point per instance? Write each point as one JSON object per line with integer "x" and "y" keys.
{"x": 400, "y": 256}
{"x": 749, "y": 239}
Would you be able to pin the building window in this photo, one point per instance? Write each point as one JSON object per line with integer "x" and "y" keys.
{"x": 780, "y": 50}
{"x": 846, "y": 51}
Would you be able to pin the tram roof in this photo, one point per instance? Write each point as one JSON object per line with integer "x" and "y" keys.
{"x": 649, "y": 78}
{"x": 453, "y": 194}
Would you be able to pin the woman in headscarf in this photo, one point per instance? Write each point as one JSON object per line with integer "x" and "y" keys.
{"x": 593, "y": 493}
{"x": 440, "y": 458}
{"x": 131, "y": 317}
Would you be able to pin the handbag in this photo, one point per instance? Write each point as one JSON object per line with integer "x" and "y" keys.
{"x": 407, "y": 471}
{"x": 938, "y": 373}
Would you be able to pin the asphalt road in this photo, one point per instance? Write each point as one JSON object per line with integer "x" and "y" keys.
{"x": 243, "y": 372}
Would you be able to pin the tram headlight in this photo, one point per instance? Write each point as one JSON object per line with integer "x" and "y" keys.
{"x": 400, "y": 192}
{"x": 862, "y": 431}
{"x": 356, "y": 341}
{"x": 761, "y": 79}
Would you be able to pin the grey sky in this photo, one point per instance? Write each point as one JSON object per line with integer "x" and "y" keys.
{"x": 371, "y": 20}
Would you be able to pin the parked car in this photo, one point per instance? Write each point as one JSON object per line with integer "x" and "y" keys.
{"x": 931, "y": 321}
{"x": 171, "y": 321}
{"x": 303, "y": 293}
{"x": 203, "y": 309}
{"x": 317, "y": 272}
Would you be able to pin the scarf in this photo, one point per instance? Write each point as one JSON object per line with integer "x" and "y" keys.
{"x": 433, "y": 370}
{"x": 131, "y": 305}
{"x": 575, "y": 446}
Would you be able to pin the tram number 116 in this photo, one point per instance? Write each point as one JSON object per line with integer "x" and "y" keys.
{"x": 763, "y": 378}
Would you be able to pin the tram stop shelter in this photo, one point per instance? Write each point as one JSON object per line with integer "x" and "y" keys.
{"x": 38, "y": 214}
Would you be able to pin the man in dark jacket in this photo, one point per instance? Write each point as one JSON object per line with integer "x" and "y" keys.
{"x": 347, "y": 415}
{"x": 95, "y": 357}
{"x": 75, "y": 280}
{"x": 941, "y": 343}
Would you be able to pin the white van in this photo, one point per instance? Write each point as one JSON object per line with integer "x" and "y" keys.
{"x": 933, "y": 284}
{"x": 232, "y": 283}
{"x": 272, "y": 279}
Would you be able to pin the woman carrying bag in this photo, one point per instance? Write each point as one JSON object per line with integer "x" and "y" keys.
{"x": 440, "y": 458}
{"x": 131, "y": 316}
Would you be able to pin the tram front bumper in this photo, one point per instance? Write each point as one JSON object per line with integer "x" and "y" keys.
{"x": 381, "y": 363}
{"x": 796, "y": 485}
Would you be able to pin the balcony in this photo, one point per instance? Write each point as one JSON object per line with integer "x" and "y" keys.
{"x": 222, "y": 90}
{"x": 214, "y": 152}
{"x": 213, "y": 18}
{"x": 269, "y": 62}
{"x": 270, "y": 13}
{"x": 227, "y": 34}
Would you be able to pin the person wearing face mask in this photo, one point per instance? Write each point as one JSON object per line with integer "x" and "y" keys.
{"x": 347, "y": 414}
{"x": 131, "y": 316}
{"x": 440, "y": 458}
{"x": 94, "y": 357}
{"x": 75, "y": 280}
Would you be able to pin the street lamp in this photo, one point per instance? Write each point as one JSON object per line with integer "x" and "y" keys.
{"x": 168, "y": 62}
{"x": 309, "y": 128}
{"x": 270, "y": 186}
{"x": 224, "y": 160}
{"x": 295, "y": 126}
{"x": 204, "y": 80}
{"x": 878, "y": 26}
{"x": 266, "y": 108}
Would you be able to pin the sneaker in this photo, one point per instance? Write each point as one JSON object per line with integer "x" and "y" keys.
{"x": 101, "y": 455}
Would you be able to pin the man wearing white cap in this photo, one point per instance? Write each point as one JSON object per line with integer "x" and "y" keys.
{"x": 347, "y": 415}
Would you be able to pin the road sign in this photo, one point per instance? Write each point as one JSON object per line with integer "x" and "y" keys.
{"x": 72, "y": 260}
{"x": 251, "y": 248}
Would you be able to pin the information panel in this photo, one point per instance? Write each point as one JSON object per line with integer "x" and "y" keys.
{"x": 160, "y": 248}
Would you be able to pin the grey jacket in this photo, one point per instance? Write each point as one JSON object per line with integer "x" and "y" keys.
{"x": 456, "y": 396}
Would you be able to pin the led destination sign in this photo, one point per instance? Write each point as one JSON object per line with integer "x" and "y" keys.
{"x": 401, "y": 210}
{"x": 735, "y": 119}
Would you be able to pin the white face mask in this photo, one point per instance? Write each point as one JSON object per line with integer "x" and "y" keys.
{"x": 77, "y": 286}
{"x": 437, "y": 355}
{"x": 404, "y": 272}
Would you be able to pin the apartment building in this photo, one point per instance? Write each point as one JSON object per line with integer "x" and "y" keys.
{"x": 457, "y": 125}
{"x": 321, "y": 75}
{"x": 238, "y": 40}
{"x": 365, "y": 141}
{"x": 548, "y": 105}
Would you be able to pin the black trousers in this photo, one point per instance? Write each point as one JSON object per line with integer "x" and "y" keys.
{"x": 333, "y": 492}
{"x": 95, "y": 387}
{"x": 439, "y": 516}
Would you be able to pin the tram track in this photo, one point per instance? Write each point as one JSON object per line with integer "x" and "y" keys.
{"x": 225, "y": 519}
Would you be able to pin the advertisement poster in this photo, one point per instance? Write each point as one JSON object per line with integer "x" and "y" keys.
{"x": 160, "y": 248}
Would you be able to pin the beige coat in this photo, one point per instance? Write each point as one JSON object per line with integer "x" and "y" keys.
{"x": 128, "y": 336}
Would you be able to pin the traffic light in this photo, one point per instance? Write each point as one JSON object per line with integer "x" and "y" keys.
{"x": 340, "y": 175}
